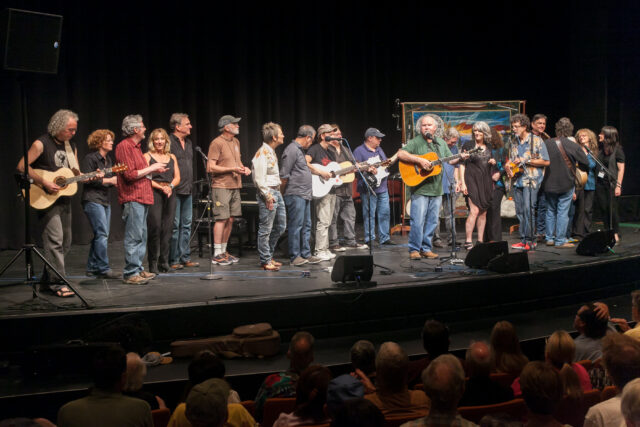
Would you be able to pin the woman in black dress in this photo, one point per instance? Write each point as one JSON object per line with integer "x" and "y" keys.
{"x": 612, "y": 156}
{"x": 477, "y": 184}
{"x": 161, "y": 213}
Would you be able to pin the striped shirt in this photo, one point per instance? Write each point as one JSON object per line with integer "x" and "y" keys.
{"x": 130, "y": 187}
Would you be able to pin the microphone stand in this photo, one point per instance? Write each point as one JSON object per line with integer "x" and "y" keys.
{"x": 612, "y": 178}
{"x": 209, "y": 206}
{"x": 452, "y": 259}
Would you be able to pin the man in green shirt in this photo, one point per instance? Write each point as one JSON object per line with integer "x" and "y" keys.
{"x": 426, "y": 197}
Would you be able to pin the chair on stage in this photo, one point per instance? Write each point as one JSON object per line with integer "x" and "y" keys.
{"x": 274, "y": 407}
{"x": 569, "y": 412}
{"x": 515, "y": 408}
{"x": 160, "y": 417}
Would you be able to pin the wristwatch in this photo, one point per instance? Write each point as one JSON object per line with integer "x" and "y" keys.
{"x": 171, "y": 186}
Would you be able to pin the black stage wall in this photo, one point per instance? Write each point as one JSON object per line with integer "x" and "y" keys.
{"x": 315, "y": 62}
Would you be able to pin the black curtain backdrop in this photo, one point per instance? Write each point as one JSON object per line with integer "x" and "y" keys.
{"x": 317, "y": 62}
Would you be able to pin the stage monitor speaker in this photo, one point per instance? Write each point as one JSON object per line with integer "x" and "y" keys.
{"x": 480, "y": 255}
{"x": 30, "y": 41}
{"x": 510, "y": 263}
{"x": 352, "y": 268}
{"x": 596, "y": 243}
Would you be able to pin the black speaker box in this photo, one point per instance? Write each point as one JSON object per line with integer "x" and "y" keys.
{"x": 510, "y": 263}
{"x": 480, "y": 255}
{"x": 596, "y": 243}
{"x": 352, "y": 268}
{"x": 30, "y": 41}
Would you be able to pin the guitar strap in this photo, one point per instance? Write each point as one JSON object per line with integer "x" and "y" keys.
{"x": 71, "y": 158}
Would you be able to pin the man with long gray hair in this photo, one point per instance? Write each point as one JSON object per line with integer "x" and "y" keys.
{"x": 182, "y": 148}
{"x": 50, "y": 152}
{"x": 135, "y": 195}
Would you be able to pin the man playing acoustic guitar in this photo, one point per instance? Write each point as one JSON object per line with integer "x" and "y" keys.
{"x": 426, "y": 196}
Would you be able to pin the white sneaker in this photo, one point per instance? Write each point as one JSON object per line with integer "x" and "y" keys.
{"x": 323, "y": 256}
{"x": 330, "y": 254}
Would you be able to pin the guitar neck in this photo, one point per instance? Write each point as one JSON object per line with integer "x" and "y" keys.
{"x": 87, "y": 176}
{"x": 446, "y": 159}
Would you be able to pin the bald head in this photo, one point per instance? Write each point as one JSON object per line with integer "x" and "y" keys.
{"x": 392, "y": 364}
{"x": 301, "y": 351}
{"x": 443, "y": 382}
{"x": 479, "y": 359}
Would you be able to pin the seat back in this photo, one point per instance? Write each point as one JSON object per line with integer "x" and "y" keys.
{"x": 391, "y": 421}
{"x": 586, "y": 364}
{"x": 608, "y": 392}
{"x": 250, "y": 406}
{"x": 502, "y": 378}
{"x": 515, "y": 408}
{"x": 274, "y": 407}
{"x": 160, "y": 417}
{"x": 569, "y": 412}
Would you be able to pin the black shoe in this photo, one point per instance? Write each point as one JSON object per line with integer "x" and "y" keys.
{"x": 109, "y": 275}
{"x": 388, "y": 243}
{"x": 164, "y": 268}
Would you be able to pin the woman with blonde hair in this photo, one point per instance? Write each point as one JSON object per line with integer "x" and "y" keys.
{"x": 162, "y": 212}
{"x": 476, "y": 182}
{"x": 584, "y": 198}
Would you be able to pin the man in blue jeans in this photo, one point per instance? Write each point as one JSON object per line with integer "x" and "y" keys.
{"x": 376, "y": 205}
{"x": 529, "y": 153}
{"x": 426, "y": 197}
{"x": 182, "y": 148}
{"x": 559, "y": 182}
{"x": 296, "y": 187}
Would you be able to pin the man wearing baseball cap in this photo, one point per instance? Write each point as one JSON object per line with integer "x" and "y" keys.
{"x": 378, "y": 206}
{"x": 227, "y": 169}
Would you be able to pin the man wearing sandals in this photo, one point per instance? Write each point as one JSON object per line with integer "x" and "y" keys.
{"x": 50, "y": 152}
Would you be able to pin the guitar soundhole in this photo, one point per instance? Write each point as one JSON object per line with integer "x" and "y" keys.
{"x": 60, "y": 181}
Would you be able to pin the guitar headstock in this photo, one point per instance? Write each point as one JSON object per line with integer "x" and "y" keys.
{"x": 119, "y": 168}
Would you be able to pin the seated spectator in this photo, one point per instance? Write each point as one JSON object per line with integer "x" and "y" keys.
{"x": 630, "y": 403}
{"x": 392, "y": 395}
{"x": 136, "y": 372}
{"x": 358, "y": 413}
{"x": 559, "y": 354}
{"x": 204, "y": 366}
{"x": 435, "y": 341}
{"x": 542, "y": 392}
{"x": 444, "y": 384}
{"x": 206, "y": 404}
{"x": 635, "y": 315}
{"x": 311, "y": 395}
{"x": 283, "y": 384}
{"x": 106, "y": 401}
{"x": 621, "y": 359}
{"x": 342, "y": 388}
{"x": 480, "y": 389}
{"x": 363, "y": 360}
{"x": 506, "y": 349}
{"x": 592, "y": 328}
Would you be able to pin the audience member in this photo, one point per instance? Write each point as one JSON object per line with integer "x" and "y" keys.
{"x": 311, "y": 396}
{"x": 444, "y": 384}
{"x": 358, "y": 413}
{"x": 506, "y": 349}
{"x": 392, "y": 395}
{"x": 363, "y": 361}
{"x": 542, "y": 392}
{"x": 435, "y": 341}
{"x": 480, "y": 388}
{"x": 635, "y": 315}
{"x": 621, "y": 358}
{"x": 105, "y": 401}
{"x": 559, "y": 354}
{"x": 204, "y": 366}
{"x": 283, "y": 384}
{"x": 136, "y": 372}
{"x": 592, "y": 328}
{"x": 206, "y": 404}
{"x": 341, "y": 389}
{"x": 630, "y": 403}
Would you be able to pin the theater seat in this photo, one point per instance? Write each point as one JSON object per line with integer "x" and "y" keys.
{"x": 274, "y": 407}
{"x": 160, "y": 417}
{"x": 516, "y": 408}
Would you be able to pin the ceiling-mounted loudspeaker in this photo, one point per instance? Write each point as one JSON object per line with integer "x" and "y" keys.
{"x": 30, "y": 41}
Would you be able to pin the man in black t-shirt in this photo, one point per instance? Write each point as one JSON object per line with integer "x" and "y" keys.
{"x": 318, "y": 157}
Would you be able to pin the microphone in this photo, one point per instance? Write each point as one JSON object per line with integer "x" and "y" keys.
{"x": 428, "y": 136}
{"x": 199, "y": 150}
{"x": 332, "y": 138}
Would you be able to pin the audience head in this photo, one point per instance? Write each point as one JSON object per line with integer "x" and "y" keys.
{"x": 205, "y": 365}
{"x": 136, "y": 371}
{"x": 435, "y": 338}
{"x": 621, "y": 358}
{"x": 363, "y": 356}
{"x": 340, "y": 389}
{"x": 588, "y": 323}
{"x": 109, "y": 368}
{"x": 206, "y": 404}
{"x": 560, "y": 349}
{"x": 479, "y": 360}
{"x": 392, "y": 366}
{"x": 311, "y": 392}
{"x": 443, "y": 381}
{"x": 358, "y": 413}
{"x": 301, "y": 351}
{"x": 506, "y": 348}
{"x": 630, "y": 403}
{"x": 541, "y": 388}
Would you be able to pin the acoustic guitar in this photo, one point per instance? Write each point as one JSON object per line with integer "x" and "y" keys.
{"x": 413, "y": 174}
{"x": 66, "y": 180}
{"x": 340, "y": 173}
